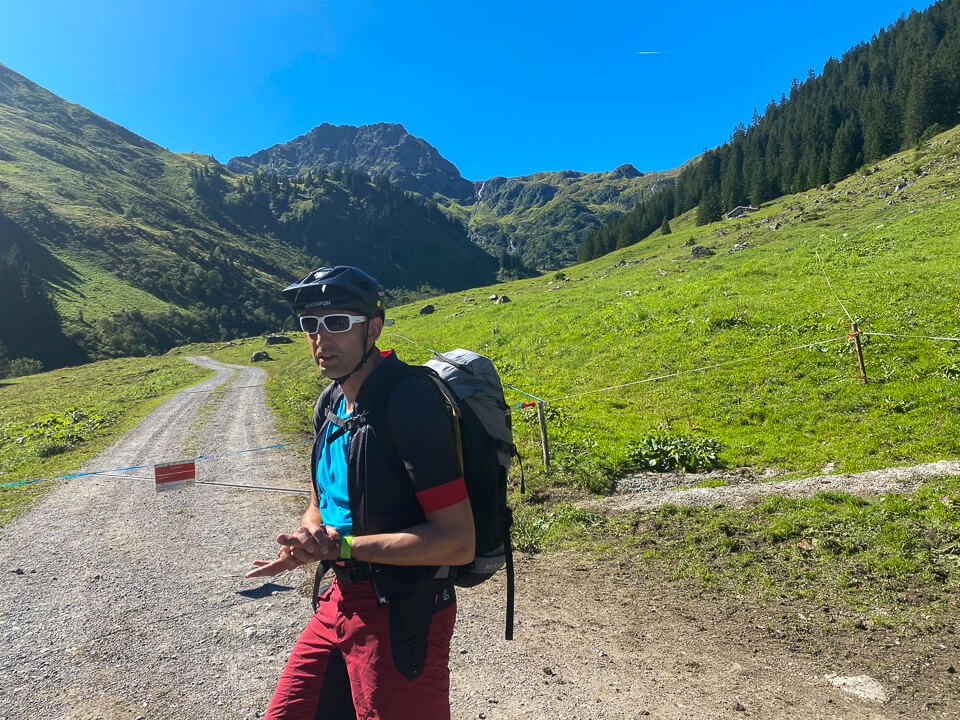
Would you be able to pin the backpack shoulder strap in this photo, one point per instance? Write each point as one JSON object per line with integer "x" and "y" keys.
{"x": 454, "y": 406}
{"x": 375, "y": 403}
{"x": 328, "y": 400}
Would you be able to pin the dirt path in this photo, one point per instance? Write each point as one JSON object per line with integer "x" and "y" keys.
{"x": 128, "y": 603}
{"x": 116, "y": 602}
{"x": 645, "y": 491}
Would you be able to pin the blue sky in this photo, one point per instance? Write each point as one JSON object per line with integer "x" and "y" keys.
{"x": 499, "y": 88}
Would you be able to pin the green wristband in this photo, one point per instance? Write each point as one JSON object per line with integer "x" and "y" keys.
{"x": 346, "y": 545}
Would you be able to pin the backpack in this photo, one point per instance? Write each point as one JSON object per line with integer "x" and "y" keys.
{"x": 473, "y": 393}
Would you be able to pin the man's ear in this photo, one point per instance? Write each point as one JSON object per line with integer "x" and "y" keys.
{"x": 374, "y": 328}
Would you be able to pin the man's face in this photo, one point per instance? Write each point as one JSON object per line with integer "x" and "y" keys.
{"x": 337, "y": 354}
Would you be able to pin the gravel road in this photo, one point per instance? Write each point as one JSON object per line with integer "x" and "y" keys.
{"x": 130, "y": 601}
{"x": 118, "y": 602}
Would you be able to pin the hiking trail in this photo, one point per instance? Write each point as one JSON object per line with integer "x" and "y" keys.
{"x": 118, "y": 602}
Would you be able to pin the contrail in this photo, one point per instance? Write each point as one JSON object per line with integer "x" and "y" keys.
{"x": 649, "y": 52}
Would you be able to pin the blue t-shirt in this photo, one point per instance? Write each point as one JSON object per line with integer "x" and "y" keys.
{"x": 332, "y": 489}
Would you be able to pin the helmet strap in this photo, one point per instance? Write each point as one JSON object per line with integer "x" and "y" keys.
{"x": 366, "y": 356}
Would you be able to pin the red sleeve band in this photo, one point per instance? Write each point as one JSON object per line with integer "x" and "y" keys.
{"x": 442, "y": 496}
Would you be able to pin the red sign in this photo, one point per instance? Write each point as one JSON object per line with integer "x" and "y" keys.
{"x": 173, "y": 476}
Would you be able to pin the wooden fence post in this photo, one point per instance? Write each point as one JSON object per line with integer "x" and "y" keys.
{"x": 543, "y": 435}
{"x": 855, "y": 333}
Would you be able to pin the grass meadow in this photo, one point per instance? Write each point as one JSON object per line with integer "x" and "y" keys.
{"x": 767, "y": 315}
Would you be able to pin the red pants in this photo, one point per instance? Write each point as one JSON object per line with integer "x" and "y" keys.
{"x": 345, "y": 663}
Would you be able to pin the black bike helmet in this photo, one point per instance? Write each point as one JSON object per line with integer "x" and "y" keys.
{"x": 338, "y": 288}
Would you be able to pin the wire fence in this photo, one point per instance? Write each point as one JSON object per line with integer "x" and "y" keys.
{"x": 855, "y": 334}
{"x": 538, "y": 400}
{"x": 114, "y": 472}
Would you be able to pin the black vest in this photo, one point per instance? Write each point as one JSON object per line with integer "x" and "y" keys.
{"x": 381, "y": 494}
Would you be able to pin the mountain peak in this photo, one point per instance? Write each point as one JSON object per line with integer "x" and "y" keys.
{"x": 382, "y": 148}
{"x": 625, "y": 171}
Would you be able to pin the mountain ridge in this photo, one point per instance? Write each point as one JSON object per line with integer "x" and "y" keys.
{"x": 174, "y": 246}
{"x": 379, "y": 148}
{"x": 539, "y": 219}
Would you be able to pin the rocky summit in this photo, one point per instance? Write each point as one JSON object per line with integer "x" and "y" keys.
{"x": 381, "y": 149}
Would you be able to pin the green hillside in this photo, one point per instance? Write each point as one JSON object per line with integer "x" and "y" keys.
{"x": 141, "y": 249}
{"x": 890, "y": 94}
{"x": 889, "y": 239}
{"x": 93, "y": 293}
{"x": 534, "y": 221}
{"x": 543, "y": 218}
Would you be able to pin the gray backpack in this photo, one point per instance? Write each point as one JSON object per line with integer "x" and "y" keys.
{"x": 471, "y": 386}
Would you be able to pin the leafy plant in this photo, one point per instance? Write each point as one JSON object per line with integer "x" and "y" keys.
{"x": 894, "y": 405}
{"x": 661, "y": 451}
{"x": 949, "y": 369}
{"x": 58, "y": 433}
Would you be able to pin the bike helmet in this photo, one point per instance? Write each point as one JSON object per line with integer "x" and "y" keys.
{"x": 338, "y": 288}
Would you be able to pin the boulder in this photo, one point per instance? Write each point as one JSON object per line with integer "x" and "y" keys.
{"x": 468, "y": 299}
{"x": 260, "y": 355}
{"x": 501, "y": 300}
{"x": 277, "y": 340}
{"x": 493, "y": 297}
{"x": 699, "y": 251}
{"x": 427, "y": 309}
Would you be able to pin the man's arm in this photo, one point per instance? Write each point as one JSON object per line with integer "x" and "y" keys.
{"x": 311, "y": 517}
{"x": 428, "y": 448}
{"x": 446, "y": 538}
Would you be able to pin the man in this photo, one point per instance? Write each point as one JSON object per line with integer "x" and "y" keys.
{"x": 388, "y": 507}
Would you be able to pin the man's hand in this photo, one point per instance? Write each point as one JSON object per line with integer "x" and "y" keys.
{"x": 306, "y": 545}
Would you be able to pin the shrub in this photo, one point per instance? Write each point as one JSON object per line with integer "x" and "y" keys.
{"x": 49, "y": 449}
{"x": 661, "y": 451}
{"x": 949, "y": 369}
{"x": 57, "y": 433}
{"x": 23, "y": 366}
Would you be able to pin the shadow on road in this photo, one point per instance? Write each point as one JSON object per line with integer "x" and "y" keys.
{"x": 265, "y": 590}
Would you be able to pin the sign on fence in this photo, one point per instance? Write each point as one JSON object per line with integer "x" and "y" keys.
{"x": 175, "y": 475}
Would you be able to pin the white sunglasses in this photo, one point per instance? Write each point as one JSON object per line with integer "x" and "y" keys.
{"x": 336, "y": 323}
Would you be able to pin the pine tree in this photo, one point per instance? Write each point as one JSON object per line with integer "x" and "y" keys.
{"x": 846, "y": 156}
{"x": 920, "y": 110}
{"x": 709, "y": 209}
{"x": 665, "y": 227}
{"x": 881, "y": 127}
{"x": 732, "y": 190}
{"x": 760, "y": 186}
